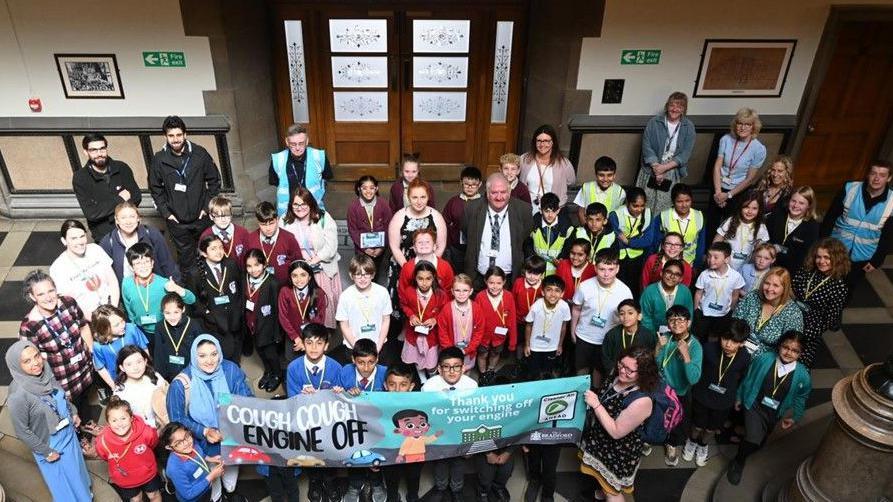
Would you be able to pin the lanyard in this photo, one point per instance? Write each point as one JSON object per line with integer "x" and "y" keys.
{"x": 198, "y": 460}
{"x": 219, "y": 287}
{"x": 252, "y": 292}
{"x": 182, "y": 170}
{"x": 139, "y": 295}
{"x": 669, "y": 356}
{"x": 322, "y": 376}
{"x": 722, "y": 372}
{"x": 809, "y": 289}
{"x": 370, "y": 214}
{"x": 775, "y": 385}
{"x": 762, "y": 322}
{"x": 633, "y": 223}
{"x": 598, "y": 298}
{"x": 593, "y": 249}
{"x": 301, "y": 312}
{"x": 579, "y": 279}
{"x": 542, "y": 173}
{"x": 498, "y": 309}
{"x": 232, "y": 241}
{"x": 734, "y": 160}
{"x": 682, "y": 231}
{"x": 527, "y": 295}
{"x": 547, "y": 319}
{"x": 788, "y": 228}
{"x": 669, "y": 298}
{"x": 463, "y": 328}
{"x": 272, "y": 247}
{"x": 720, "y": 290}
{"x": 423, "y": 308}
{"x": 52, "y": 404}
{"x": 177, "y": 344}
{"x": 66, "y": 344}
{"x": 672, "y": 136}
{"x": 623, "y": 338}
{"x": 117, "y": 457}
{"x": 741, "y": 235}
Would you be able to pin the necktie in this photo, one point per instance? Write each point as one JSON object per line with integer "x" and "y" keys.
{"x": 314, "y": 370}
{"x": 494, "y": 236}
{"x": 224, "y": 236}
{"x": 217, "y": 274}
{"x": 301, "y": 296}
{"x": 364, "y": 382}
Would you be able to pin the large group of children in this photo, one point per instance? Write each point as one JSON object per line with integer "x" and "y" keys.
{"x": 621, "y": 277}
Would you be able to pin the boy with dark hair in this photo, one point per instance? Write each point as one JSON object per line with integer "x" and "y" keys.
{"x": 399, "y": 378}
{"x": 454, "y": 212}
{"x": 141, "y": 294}
{"x": 280, "y": 248}
{"x": 550, "y": 231}
{"x": 596, "y": 229}
{"x": 546, "y": 328}
{"x": 717, "y": 291}
{"x": 526, "y": 290}
{"x": 233, "y": 235}
{"x": 602, "y": 190}
{"x": 626, "y": 334}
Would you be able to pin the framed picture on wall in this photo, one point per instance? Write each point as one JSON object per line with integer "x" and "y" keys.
{"x": 90, "y": 76}
{"x": 743, "y": 68}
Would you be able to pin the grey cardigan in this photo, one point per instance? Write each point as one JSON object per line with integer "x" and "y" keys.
{"x": 655, "y": 140}
{"x": 26, "y": 411}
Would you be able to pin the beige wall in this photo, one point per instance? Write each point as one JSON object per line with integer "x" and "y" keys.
{"x": 123, "y": 27}
{"x": 679, "y": 30}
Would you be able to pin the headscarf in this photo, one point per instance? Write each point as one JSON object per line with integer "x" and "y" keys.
{"x": 203, "y": 400}
{"x": 41, "y": 385}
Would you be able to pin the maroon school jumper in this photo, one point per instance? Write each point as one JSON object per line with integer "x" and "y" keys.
{"x": 358, "y": 220}
{"x": 280, "y": 255}
{"x": 237, "y": 245}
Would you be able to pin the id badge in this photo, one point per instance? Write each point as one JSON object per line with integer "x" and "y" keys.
{"x": 423, "y": 330}
{"x": 62, "y": 424}
{"x": 370, "y": 328}
{"x": 198, "y": 473}
{"x": 180, "y": 187}
{"x": 663, "y": 329}
{"x": 501, "y": 330}
{"x": 751, "y": 346}
{"x": 726, "y": 180}
{"x": 76, "y": 359}
{"x": 598, "y": 322}
{"x": 739, "y": 255}
{"x": 270, "y": 270}
{"x": 148, "y": 319}
{"x": 371, "y": 240}
{"x": 178, "y": 360}
{"x": 221, "y": 300}
{"x": 715, "y": 306}
{"x": 493, "y": 253}
{"x": 249, "y": 305}
{"x": 770, "y": 403}
{"x": 462, "y": 345}
{"x": 542, "y": 338}
{"x": 781, "y": 249}
{"x": 717, "y": 388}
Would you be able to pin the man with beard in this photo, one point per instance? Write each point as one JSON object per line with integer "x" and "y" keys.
{"x": 101, "y": 185}
{"x": 183, "y": 178}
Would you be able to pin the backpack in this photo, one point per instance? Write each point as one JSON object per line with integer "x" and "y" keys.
{"x": 160, "y": 406}
{"x": 666, "y": 414}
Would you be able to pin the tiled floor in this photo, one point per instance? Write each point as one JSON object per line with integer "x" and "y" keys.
{"x": 865, "y": 338}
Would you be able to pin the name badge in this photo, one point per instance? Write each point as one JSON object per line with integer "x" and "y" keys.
{"x": 148, "y": 319}
{"x": 715, "y": 306}
{"x": 751, "y": 346}
{"x": 493, "y": 253}
{"x": 424, "y": 330}
{"x": 739, "y": 255}
{"x": 598, "y": 322}
{"x": 249, "y": 305}
{"x": 663, "y": 329}
{"x": 180, "y": 187}
{"x": 462, "y": 345}
{"x": 501, "y": 330}
{"x": 770, "y": 403}
{"x": 371, "y": 240}
{"x": 178, "y": 360}
{"x": 221, "y": 300}
{"x": 270, "y": 270}
{"x": 542, "y": 338}
{"x": 62, "y": 424}
{"x": 717, "y": 388}
{"x": 781, "y": 249}
{"x": 198, "y": 473}
{"x": 76, "y": 359}
{"x": 370, "y": 328}
{"x": 726, "y": 180}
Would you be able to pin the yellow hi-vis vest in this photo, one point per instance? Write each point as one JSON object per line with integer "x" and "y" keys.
{"x": 546, "y": 251}
{"x": 689, "y": 232}
{"x": 607, "y": 240}
{"x": 612, "y": 198}
{"x": 630, "y": 227}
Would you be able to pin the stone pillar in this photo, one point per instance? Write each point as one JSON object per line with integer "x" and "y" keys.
{"x": 854, "y": 461}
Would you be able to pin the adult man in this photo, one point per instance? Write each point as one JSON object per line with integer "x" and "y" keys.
{"x": 183, "y": 178}
{"x": 495, "y": 230}
{"x": 299, "y": 165}
{"x": 101, "y": 185}
{"x": 860, "y": 215}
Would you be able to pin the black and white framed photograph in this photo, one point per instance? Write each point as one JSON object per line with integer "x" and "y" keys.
{"x": 90, "y": 76}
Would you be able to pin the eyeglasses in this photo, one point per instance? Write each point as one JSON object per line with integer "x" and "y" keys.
{"x": 179, "y": 442}
{"x": 742, "y": 124}
{"x": 673, "y": 244}
{"x": 627, "y": 369}
{"x": 471, "y": 183}
{"x": 672, "y": 273}
{"x": 454, "y": 368}
{"x": 675, "y": 320}
{"x": 297, "y": 205}
{"x": 544, "y": 142}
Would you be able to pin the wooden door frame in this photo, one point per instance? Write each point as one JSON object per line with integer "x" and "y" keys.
{"x": 822, "y": 62}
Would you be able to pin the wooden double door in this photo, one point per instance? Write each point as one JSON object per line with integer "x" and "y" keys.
{"x": 442, "y": 81}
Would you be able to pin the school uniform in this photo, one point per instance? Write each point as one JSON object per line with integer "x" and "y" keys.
{"x": 618, "y": 339}
{"x": 296, "y": 312}
{"x": 280, "y": 250}
{"x": 716, "y": 302}
{"x": 655, "y": 302}
{"x": 172, "y": 343}
{"x": 220, "y": 301}
{"x": 792, "y": 239}
{"x": 681, "y": 377}
{"x": 142, "y": 303}
{"x": 302, "y": 374}
{"x": 598, "y": 314}
{"x": 350, "y": 378}
{"x": 743, "y": 242}
{"x": 461, "y": 328}
{"x": 714, "y": 395}
{"x": 412, "y": 305}
{"x": 262, "y": 320}
{"x": 235, "y": 241}
{"x": 498, "y": 325}
{"x": 545, "y": 336}
{"x": 573, "y": 278}
{"x": 632, "y": 254}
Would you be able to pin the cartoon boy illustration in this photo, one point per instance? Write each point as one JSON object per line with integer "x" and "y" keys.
{"x": 413, "y": 424}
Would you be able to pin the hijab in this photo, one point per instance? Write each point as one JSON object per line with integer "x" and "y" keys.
{"x": 41, "y": 385}
{"x": 204, "y": 394}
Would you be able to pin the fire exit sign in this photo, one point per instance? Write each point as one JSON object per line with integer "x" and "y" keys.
{"x": 164, "y": 58}
{"x": 640, "y": 56}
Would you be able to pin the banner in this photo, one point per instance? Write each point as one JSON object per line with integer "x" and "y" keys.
{"x": 326, "y": 429}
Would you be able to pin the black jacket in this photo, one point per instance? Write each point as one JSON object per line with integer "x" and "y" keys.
{"x": 226, "y": 317}
{"x": 201, "y": 177}
{"x": 97, "y": 194}
{"x": 266, "y": 299}
{"x": 796, "y": 246}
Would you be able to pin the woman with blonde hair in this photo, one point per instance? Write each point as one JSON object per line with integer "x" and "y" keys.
{"x": 770, "y": 311}
{"x": 794, "y": 230}
{"x": 776, "y": 183}
{"x": 821, "y": 290}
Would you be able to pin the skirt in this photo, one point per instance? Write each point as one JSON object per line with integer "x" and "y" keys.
{"x": 411, "y": 355}
{"x": 331, "y": 286}
{"x": 657, "y": 200}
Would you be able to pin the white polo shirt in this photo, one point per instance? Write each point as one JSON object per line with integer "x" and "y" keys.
{"x": 545, "y": 332}
{"x": 364, "y": 311}
{"x": 742, "y": 242}
{"x": 599, "y": 308}
{"x": 437, "y": 383}
{"x": 717, "y": 298}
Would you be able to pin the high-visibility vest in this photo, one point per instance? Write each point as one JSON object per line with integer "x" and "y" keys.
{"x": 546, "y": 251}
{"x": 605, "y": 240}
{"x": 314, "y": 163}
{"x": 859, "y": 231}
{"x": 612, "y": 198}
{"x": 631, "y": 227}
{"x": 689, "y": 233}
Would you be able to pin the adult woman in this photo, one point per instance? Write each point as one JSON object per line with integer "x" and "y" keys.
{"x": 737, "y": 165}
{"x": 777, "y": 183}
{"x": 208, "y": 376}
{"x": 666, "y": 147}
{"x": 45, "y": 421}
{"x": 793, "y": 232}
{"x": 60, "y": 331}
{"x": 544, "y": 169}
{"x": 612, "y": 445}
{"x": 670, "y": 249}
{"x": 128, "y": 232}
{"x": 317, "y": 234}
{"x": 820, "y": 287}
{"x": 83, "y": 271}
{"x": 770, "y": 310}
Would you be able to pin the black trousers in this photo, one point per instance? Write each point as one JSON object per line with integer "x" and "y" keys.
{"x": 282, "y": 484}
{"x": 410, "y": 472}
{"x": 185, "y": 238}
{"x": 542, "y": 465}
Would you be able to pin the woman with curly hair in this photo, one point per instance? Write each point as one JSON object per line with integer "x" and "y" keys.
{"x": 776, "y": 183}
{"x": 820, "y": 287}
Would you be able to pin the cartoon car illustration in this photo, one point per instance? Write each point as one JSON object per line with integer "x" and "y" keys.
{"x": 249, "y": 455}
{"x": 305, "y": 461}
{"x": 364, "y": 457}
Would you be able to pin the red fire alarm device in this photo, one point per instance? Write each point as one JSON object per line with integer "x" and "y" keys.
{"x": 35, "y": 105}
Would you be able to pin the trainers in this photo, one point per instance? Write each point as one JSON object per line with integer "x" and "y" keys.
{"x": 688, "y": 452}
{"x": 379, "y": 494}
{"x": 646, "y": 449}
{"x": 701, "y": 455}
{"x": 671, "y": 455}
{"x": 352, "y": 495}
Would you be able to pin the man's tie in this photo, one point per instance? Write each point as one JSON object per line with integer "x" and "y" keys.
{"x": 363, "y": 383}
{"x": 217, "y": 274}
{"x": 314, "y": 370}
{"x": 224, "y": 236}
{"x": 301, "y": 296}
{"x": 494, "y": 237}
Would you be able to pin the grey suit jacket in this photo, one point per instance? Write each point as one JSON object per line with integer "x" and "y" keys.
{"x": 520, "y": 220}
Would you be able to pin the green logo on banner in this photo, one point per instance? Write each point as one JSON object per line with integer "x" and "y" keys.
{"x": 556, "y": 407}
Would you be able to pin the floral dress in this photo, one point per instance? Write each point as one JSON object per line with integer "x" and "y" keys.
{"x": 764, "y": 333}
{"x": 822, "y": 299}
{"x": 615, "y": 460}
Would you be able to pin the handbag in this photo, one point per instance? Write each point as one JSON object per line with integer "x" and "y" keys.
{"x": 663, "y": 186}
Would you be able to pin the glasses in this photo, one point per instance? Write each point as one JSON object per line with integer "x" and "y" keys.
{"x": 454, "y": 368}
{"x": 298, "y": 205}
{"x": 742, "y": 124}
{"x": 180, "y": 442}
{"x": 676, "y": 320}
{"x": 544, "y": 142}
{"x": 672, "y": 273}
{"x": 673, "y": 244}
{"x": 471, "y": 183}
{"x": 97, "y": 150}
{"x": 625, "y": 368}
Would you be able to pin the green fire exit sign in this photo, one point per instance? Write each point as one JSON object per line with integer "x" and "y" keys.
{"x": 640, "y": 56}
{"x": 164, "y": 58}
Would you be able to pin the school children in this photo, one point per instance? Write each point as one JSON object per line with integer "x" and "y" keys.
{"x": 510, "y": 167}
{"x": 546, "y": 328}
{"x": 549, "y": 234}
{"x": 174, "y": 334}
{"x": 364, "y": 309}
{"x": 454, "y": 213}
{"x": 140, "y": 385}
{"x": 763, "y": 259}
{"x": 629, "y": 332}
{"x": 110, "y": 334}
{"x": 217, "y": 283}
{"x": 409, "y": 171}
{"x": 301, "y": 303}
{"x": 744, "y": 230}
{"x": 603, "y": 190}
{"x": 660, "y": 296}
{"x": 718, "y": 290}
{"x": 596, "y": 229}
{"x": 461, "y": 323}
{"x": 421, "y": 304}
{"x": 262, "y": 317}
{"x": 367, "y": 221}
{"x": 526, "y": 290}
{"x": 686, "y": 221}
{"x": 234, "y": 236}
{"x": 576, "y": 268}
{"x": 128, "y": 445}
{"x": 399, "y": 378}
{"x": 141, "y": 294}
{"x": 498, "y": 307}
{"x": 630, "y": 223}
{"x": 280, "y": 248}
{"x": 193, "y": 474}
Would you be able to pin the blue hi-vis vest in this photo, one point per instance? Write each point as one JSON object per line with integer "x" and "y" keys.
{"x": 859, "y": 231}
{"x": 314, "y": 163}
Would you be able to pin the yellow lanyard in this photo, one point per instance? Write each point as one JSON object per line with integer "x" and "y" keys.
{"x": 139, "y": 295}
{"x": 623, "y": 338}
{"x": 721, "y": 372}
{"x": 301, "y": 312}
{"x": 669, "y": 356}
{"x": 762, "y": 322}
{"x": 231, "y": 242}
{"x": 498, "y": 309}
{"x": 463, "y": 328}
{"x": 775, "y": 386}
{"x": 272, "y": 247}
{"x": 547, "y": 320}
{"x": 598, "y": 298}
{"x": 809, "y": 289}
{"x": 219, "y": 287}
{"x": 370, "y": 213}
{"x": 423, "y": 308}
{"x": 252, "y": 292}
{"x": 527, "y": 295}
{"x": 177, "y": 344}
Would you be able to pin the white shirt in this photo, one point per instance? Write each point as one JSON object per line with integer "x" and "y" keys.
{"x": 545, "y": 333}
{"x": 364, "y": 311}
{"x": 437, "y": 383}
{"x": 319, "y": 365}
{"x": 742, "y": 242}
{"x": 533, "y": 184}
{"x": 504, "y": 255}
{"x": 139, "y": 395}
{"x": 88, "y": 279}
{"x": 599, "y": 308}
{"x": 717, "y": 298}
{"x": 673, "y": 136}
{"x": 783, "y": 369}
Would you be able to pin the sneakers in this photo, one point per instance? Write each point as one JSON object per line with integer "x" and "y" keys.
{"x": 701, "y": 455}
{"x": 379, "y": 494}
{"x": 671, "y": 455}
{"x": 315, "y": 490}
{"x": 646, "y": 449}
{"x": 352, "y": 495}
{"x": 688, "y": 452}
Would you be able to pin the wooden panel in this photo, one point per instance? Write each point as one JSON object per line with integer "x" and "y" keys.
{"x": 362, "y": 152}
{"x": 53, "y": 172}
{"x": 494, "y": 151}
{"x": 440, "y": 152}
{"x": 126, "y": 149}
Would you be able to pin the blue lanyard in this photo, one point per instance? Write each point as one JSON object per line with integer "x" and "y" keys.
{"x": 56, "y": 335}
{"x": 52, "y": 404}
{"x": 182, "y": 170}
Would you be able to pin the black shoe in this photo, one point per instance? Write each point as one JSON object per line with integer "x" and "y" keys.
{"x": 315, "y": 490}
{"x": 736, "y": 470}
{"x": 501, "y": 494}
{"x": 234, "y": 497}
{"x": 247, "y": 346}
{"x": 264, "y": 380}
{"x": 533, "y": 490}
{"x": 273, "y": 383}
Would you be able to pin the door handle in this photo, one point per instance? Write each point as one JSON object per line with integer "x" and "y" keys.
{"x": 810, "y": 128}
